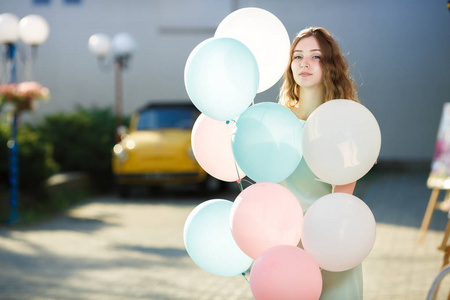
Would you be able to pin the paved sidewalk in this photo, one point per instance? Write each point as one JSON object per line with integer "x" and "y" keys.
{"x": 111, "y": 249}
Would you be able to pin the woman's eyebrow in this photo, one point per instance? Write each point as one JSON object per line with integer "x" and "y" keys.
{"x": 312, "y": 50}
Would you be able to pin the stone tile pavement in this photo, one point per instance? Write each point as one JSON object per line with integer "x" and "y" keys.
{"x": 113, "y": 249}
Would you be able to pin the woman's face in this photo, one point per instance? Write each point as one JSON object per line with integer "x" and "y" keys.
{"x": 305, "y": 65}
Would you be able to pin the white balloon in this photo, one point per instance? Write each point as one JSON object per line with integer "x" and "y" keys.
{"x": 341, "y": 141}
{"x": 338, "y": 231}
{"x": 265, "y": 36}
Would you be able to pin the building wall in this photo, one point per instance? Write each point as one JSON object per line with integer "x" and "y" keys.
{"x": 399, "y": 52}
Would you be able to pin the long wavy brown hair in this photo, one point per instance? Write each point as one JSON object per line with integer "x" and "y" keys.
{"x": 337, "y": 82}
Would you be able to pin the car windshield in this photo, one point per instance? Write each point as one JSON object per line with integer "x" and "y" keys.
{"x": 167, "y": 117}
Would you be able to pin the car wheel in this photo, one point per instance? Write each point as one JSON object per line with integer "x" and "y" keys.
{"x": 211, "y": 184}
{"x": 155, "y": 189}
{"x": 124, "y": 190}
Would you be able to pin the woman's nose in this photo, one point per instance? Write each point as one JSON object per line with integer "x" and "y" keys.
{"x": 305, "y": 63}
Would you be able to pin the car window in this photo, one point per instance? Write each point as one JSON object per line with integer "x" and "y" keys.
{"x": 167, "y": 117}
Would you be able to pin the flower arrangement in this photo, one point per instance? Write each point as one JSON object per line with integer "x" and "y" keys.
{"x": 22, "y": 95}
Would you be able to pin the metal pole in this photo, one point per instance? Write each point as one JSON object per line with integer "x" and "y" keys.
{"x": 14, "y": 149}
{"x": 118, "y": 67}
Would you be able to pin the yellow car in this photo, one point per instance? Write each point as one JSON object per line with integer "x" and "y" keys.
{"x": 157, "y": 148}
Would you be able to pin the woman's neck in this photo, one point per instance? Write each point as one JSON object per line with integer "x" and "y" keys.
{"x": 310, "y": 99}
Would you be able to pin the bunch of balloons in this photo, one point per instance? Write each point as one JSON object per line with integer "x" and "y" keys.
{"x": 232, "y": 138}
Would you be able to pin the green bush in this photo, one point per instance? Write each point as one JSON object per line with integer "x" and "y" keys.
{"x": 82, "y": 141}
{"x": 4, "y": 171}
{"x": 36, "y": 163}
{"x": 35, "y": 158}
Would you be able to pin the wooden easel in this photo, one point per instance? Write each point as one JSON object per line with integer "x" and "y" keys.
{"x": 445, "y": 265}
{"x": 433, "y": 205}
{"x": 445, "y": 246}
{"x": 439, "y": 178}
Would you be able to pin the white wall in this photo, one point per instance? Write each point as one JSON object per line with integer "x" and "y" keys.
{"x": 399, "y": 52}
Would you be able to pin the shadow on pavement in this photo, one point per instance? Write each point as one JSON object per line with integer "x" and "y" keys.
{"x": 399, "y": 197}
{"x": 396, "y": 195}
{"x": 167, "y": 252}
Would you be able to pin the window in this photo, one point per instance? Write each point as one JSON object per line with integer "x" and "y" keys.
{"x": 167, "y": 117}
{"x": 41, "y": 2}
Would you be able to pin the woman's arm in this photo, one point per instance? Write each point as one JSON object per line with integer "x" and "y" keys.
{"x": 347, "y": 188}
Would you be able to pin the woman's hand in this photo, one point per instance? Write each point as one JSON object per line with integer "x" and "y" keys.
{"x": 347, "y": 188}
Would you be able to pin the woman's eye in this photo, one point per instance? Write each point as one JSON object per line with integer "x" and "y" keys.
{"x": 297, "y": 57}
{"x": 316, "y": 57}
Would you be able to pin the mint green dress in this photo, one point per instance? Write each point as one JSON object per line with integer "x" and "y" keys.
{"x": 347, "y": 285}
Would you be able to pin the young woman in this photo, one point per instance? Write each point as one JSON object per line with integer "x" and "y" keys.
{"x": 318, "y": 72}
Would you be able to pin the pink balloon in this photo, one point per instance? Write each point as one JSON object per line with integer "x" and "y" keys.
{"x": 265, "y": 215}
{"x": 211, "y": 144}
{"x": 285, "y": 272}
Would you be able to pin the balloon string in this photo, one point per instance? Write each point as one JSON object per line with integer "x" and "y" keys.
{"x": 239, "y": 181}
{"x": 243, "y": 274}
{"x": 240, "y": 185}
{"x": 239, "y": 177}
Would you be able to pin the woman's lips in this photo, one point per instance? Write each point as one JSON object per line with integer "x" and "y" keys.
{"x": 305, "y": 74}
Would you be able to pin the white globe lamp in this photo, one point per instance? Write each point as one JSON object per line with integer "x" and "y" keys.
{"x": 33, "y": 30}
{"x": 123, "y": 44}
{"x": 100, "y": 44}
{"x": 9, "y": 28}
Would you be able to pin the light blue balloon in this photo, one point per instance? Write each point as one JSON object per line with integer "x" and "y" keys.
{"x": 266, "y": 142}
{"x": 221, "y": 78}
{"x": 209, "y": 241}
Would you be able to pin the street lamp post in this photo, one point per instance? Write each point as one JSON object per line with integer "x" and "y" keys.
{"x": 118, "y": 91}
{"x": 123, "y": 47}
{"x": 32, "y": 30}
